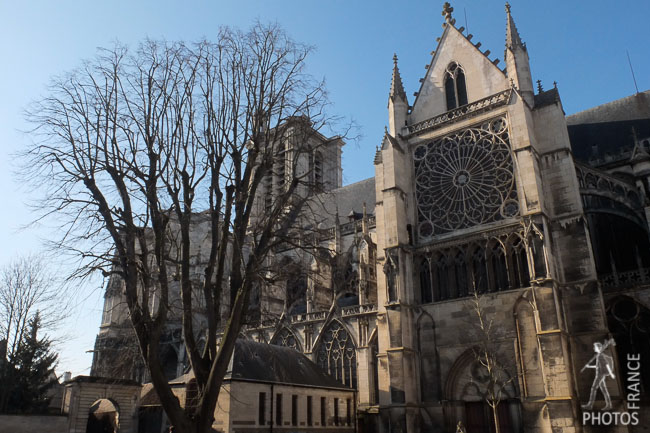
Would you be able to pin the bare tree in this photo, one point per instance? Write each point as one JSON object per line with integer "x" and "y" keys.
{"x": 27, "y": 290}
{"x": 135, "y": 148}
{"x": 26, "y": 286}
{"x": 487, "y": 354}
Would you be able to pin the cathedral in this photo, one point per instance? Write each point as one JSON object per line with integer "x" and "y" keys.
{"x": 464, "y": 286}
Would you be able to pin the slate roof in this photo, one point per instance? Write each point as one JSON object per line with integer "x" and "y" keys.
{"x": 349, "y": 198}
{"x": 605, "y": 134}
{"x": 546, "y": 98}
{"x": 629, "y": 108}
{"x": 261, "y": 362}
{"x": 267, "y": 363}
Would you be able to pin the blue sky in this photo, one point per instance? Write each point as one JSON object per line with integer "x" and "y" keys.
{"x": 581, "y": 45}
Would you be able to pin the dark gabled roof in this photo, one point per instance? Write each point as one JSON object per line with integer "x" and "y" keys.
{"x": 265, "y": 363}
{"x": 546, "y": 98}
{"x": 605, "y": 142}
{"x": 261, "y": 362}
{"x": 349, "y": 198}
{"x": 632, "y": 107}
{"x": 606, "y": 134}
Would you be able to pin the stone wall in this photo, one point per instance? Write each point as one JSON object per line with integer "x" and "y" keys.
{"x": 238, "y": 408}
{"x": 33, "y": 423}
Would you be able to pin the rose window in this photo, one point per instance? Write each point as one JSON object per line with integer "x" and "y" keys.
{"x": 465, "y": 179}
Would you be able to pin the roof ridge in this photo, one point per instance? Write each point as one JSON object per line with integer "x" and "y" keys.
{"x": 645, "y": 92}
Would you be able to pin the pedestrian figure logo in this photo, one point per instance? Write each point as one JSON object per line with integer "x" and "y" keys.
{"x": 603, "y": 365}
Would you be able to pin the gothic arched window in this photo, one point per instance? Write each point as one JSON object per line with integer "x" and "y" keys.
{"x": 441, "y": 286}
{"x": 285, "y": 338}
{"x": 426, "y": 296}
{"x": 519, "y": 263}
{"x": 461, "y": 275}
{"x": 479, "y": 270}
{"x": 455, "y": 88}
{"x": 629, "y": 323}
{"x": 337, "y": 354}
{"x": 499, "y": 268}
{"x": 537, "y": 251}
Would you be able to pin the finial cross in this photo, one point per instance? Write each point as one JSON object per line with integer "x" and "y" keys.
{"x": 507, "y": 7}
{"x": 446, "y": 11}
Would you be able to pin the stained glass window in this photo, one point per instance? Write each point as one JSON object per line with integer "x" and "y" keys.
{"x": 337, "y": 355}
{"x": 284, "y": 337}
{"x": 465, "y": 179}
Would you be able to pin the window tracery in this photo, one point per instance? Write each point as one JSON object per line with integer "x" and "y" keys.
{"x": 285, "y": 338}
{"x": 499, "y": 262}
{"x": 499, "y": 268}
{"x": 519, "y": 260}
{"x": 441, "y": 289}
{"x": 479, "y": 270}
{"x": 455, "y": 87}
{"x": 425, "y": 282}
{"x": 461, "y": 275}
{"x": 465, "y": 179}
{"x": 337, "y": 354}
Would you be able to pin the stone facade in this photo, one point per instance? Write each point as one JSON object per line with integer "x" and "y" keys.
{"x": 482, "y": 185}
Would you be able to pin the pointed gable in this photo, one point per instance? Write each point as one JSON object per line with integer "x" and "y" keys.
{"x": 482, "y": 77}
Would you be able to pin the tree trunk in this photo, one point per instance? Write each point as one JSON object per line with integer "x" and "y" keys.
{"x": 495, "y": 415}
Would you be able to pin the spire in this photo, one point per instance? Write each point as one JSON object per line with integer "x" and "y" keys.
{"x": 397, "y": 102}
{"x": 396, "y": 87}
{"x": 512, "y": 35}
{"x": 517, "y": 62}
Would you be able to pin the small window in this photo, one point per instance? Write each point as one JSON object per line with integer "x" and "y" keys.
{"x": 348, "y": 412}
{"x": 310, "y": 420}
{"x": 294, "y": 410}
{"x": 336, "y": 411}
{"x": 278, "y": 409}
{"x": 318, "y": 170}
{"x": 323, "y": 411}
{"x": 455, "y": 86}
{"x": 262, "y": 409}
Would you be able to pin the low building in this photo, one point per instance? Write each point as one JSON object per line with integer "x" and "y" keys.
{"x": 267, "y": 388}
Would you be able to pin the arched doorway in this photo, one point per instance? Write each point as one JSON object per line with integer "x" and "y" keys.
{"x": 103, "y": 417}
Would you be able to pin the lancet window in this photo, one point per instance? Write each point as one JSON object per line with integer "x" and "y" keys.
{"x": 519, "y": 260}
{"x": 479, "y": 270}
{"x": 495, "y": 264}
{"x": 455, "y": 88}
{"x": 499, "y": 268}
{"x": 426, "y": 295}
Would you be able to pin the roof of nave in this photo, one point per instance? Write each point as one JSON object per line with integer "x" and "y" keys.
{"x": 345, "y": 200}
{"x": 607, "y": 133}
{"x": 632, "y": 107}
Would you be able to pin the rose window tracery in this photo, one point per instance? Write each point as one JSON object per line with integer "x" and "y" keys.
{"x": 465, "y": 179}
